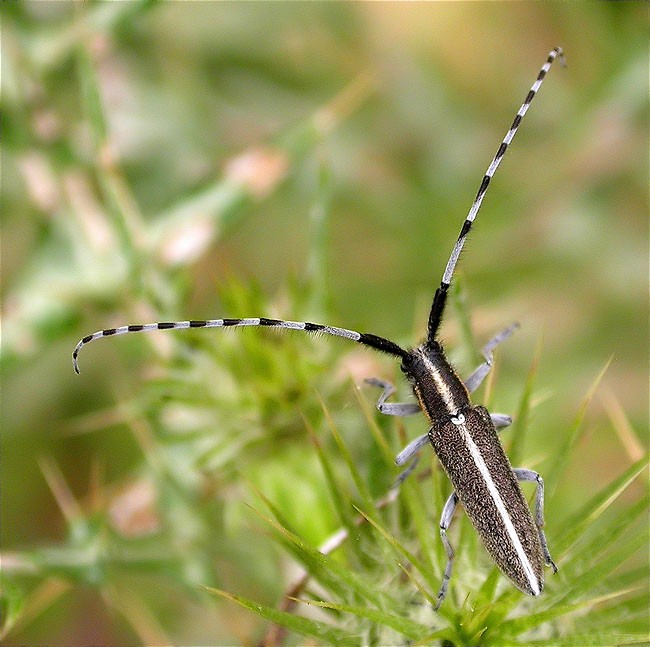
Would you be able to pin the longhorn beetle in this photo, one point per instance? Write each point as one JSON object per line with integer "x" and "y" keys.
{"x": 463, "y": 436}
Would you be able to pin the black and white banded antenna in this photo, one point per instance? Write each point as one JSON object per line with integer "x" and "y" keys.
{"x": 440, "y": 298}
{"x": 372, "y": 341}
{"x": 463, "y": 435}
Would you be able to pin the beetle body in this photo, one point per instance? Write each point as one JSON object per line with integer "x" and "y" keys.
{"x": 463, "y": 436}
{"x": 466, "y": 442}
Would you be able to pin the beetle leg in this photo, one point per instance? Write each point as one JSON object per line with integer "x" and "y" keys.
{"x": 392, "y": 408}
{"x": 523, "y": 474}
{"x": 476, "y": 378}
{"x": 445, "y": 522}
{"x": 501, "y": 420}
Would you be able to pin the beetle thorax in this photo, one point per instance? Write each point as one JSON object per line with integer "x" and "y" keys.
{"x": 436, "y": 384}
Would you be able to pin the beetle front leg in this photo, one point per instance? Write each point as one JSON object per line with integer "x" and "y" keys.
{"x": 476, "y": 378}
{"x": 392, "y": 408}
{"x": 410, "y": 452}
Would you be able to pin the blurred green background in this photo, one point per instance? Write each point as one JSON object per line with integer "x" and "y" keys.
{"x": 163, "y": 161}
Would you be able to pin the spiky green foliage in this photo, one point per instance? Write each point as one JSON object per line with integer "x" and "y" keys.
{"x": 164, "y": 160}
{"x": 380, "y": 584}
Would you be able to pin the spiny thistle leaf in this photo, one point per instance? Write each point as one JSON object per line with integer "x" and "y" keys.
{"x": 304, "y": 626}
{"x": 405, "y": 627}
{"x": 600, "y": 502}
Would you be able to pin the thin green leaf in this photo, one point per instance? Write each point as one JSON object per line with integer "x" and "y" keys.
{"x": 567, "y": 450}
{"x": 325, "y": 568}
{"x": 12, "y": 601}
{"x": 596, "y": 558}
{"x": 594, "y": 576}
{"x": 628, "y": 614}
{"x": 595, "y": 639}
{"x": 461, "y": 311}
{"x": 408, "y": 628}
{"x": 412, "y": 496}
{"x": 594, "y": 508}
{"x": 387, "y": 451}
{"x": 518, "y": 626}
{"x": 340, "y": 498}
{"x": 521, "y": 419}
{"x": 304, "y": 626}
{"x": 488, "y": 590}
{"x": 359, "y": 482}
{"x": 426, "y": 594}
{"x": 399, "y": 548}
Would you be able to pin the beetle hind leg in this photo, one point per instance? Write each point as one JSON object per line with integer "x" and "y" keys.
{"x": 523, "y": 474}
{"x": 445, "y": 522}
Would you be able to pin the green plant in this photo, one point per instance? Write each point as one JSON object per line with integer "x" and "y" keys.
{"x": 212, "y": 419}
{"x": 377, "y": 582}
{"x": 161, "y": 161}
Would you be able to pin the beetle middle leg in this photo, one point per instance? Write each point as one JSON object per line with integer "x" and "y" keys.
{"x": 410, "y": 453}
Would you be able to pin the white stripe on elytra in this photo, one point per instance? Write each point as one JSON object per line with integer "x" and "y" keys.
{"x": 500, "y": 505}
